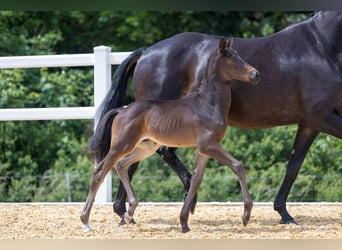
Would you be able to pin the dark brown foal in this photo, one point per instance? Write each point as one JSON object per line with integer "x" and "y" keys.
{"x": 198, "y": 120}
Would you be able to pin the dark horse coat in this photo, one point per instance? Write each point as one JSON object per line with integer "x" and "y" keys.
{"x": 301, "y": 83}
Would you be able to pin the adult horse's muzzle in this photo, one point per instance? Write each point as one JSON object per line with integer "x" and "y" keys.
{"x": 254, "y": 76}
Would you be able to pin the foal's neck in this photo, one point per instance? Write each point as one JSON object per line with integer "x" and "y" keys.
{"x": 216, "y": 91}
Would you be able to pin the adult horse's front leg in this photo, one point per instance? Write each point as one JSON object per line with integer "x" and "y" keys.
{"x": 201, "y": 161}
{"x": 303, "y": 141}
{"x": 169, "y": 156}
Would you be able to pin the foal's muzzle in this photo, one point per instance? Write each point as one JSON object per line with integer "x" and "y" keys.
{"x": 254, "y": 76}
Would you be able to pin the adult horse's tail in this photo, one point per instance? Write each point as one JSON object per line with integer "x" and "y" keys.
{"x": 115, "y": 98}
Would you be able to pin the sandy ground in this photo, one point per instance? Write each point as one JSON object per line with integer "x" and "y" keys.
{"x": 161, "y": 221}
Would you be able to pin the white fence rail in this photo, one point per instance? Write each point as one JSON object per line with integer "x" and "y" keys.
{"x": 101, "y": 60}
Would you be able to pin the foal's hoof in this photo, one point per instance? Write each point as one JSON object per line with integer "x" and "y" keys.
{"x": 126, "y": 219}
{"x": 247, "y": 213}
{"x": 123, "y": 222}
{"x": 245, "y": 219}
{"x": 86, "y": 228}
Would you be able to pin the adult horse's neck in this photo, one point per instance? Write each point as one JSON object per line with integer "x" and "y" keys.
{"x": 329, "y": 25}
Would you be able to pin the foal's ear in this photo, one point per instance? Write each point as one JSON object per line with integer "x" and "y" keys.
{"x": 225, "y": 43}
{"x": 229, "y": 42}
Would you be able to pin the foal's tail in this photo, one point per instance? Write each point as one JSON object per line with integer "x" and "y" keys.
{"x": 100, "y": 143}
{"x": 102, "y": 136}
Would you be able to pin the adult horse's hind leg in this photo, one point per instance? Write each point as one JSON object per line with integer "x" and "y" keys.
{"x": 303, "y": 141}
{"x": 169, "y": 156}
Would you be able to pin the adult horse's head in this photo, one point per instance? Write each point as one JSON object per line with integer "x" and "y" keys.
{"x": 230, "y": 66}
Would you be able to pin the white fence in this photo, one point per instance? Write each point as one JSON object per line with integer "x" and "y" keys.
{"x": 101, "y": 60}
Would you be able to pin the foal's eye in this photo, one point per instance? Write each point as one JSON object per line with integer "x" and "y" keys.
{"x": 231, "y": 56}
{"x": 228, "y": 53}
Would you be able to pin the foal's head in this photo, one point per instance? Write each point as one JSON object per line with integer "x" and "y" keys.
{"x": 230, "y": 66}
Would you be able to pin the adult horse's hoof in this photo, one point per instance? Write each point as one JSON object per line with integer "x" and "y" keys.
{"x": 288, "y": 221}
{"x": 185, "y": 229}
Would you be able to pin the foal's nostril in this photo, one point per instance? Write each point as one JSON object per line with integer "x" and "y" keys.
{"x": 257, "y": 75}
{"x": 254, "y": 76}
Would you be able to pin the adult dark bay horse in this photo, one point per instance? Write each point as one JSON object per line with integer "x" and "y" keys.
{"x": 301, "y": 83}
{"x": 196, "y": 120}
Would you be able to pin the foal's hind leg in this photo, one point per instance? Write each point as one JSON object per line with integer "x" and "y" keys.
{"x": 216, "y": 151}
{"x": 99, "y": 173}
{"x": 142, "y": 151}
{"x": 119, "y": 205}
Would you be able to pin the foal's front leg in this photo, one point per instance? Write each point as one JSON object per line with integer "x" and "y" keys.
{"x": 201, "y": 161}
{"x": 132, "y": 200}
{"x": 216, "y": 151}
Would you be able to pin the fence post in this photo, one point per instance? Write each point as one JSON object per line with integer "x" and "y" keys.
{"x": 68, "y": 186}
{"x": 102, "y": 82}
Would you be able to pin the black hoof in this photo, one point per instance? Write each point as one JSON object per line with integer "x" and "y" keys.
{"x": 288, "y": 221}
{"x": 185, "y": 230}
{"x": 123, "y": 222}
